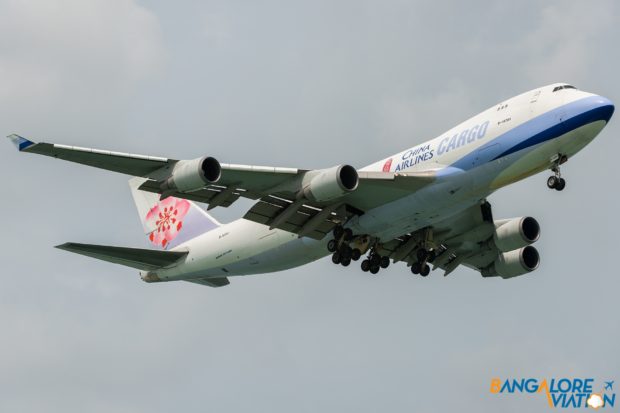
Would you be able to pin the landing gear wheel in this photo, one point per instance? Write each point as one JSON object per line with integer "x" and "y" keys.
{"x": 425, "y": 270}
{"x": 374, "y": 269}
{"x": 431, "y": 256}
{"x": 560, "y": 185}
{"x": 415, "y": 268}
{"x": 345, "y": 262}
{"x": 338, "y": 231}
{"x": 346, "y": 251}
{"x": 375, "y": 261}
{"x": 336, "y": 258}
{"x": 332, "y": 245}
{"x": 421, "y": 254}
{"x": 385, "y": 262}
{"x": 552, "y": 182}
{"x": 356, "y": 254}
{"x": 365, "y": 265}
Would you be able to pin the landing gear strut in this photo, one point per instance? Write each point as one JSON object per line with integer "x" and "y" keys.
{"x": 556, "y": 181}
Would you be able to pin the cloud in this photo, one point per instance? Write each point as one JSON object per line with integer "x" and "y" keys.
{"x": 565, "y": 42}
{"x": 76, "y": 52}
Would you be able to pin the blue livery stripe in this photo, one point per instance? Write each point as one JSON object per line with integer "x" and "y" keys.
{"x": 20, "y": 142}
{"x": 549, "y": 125}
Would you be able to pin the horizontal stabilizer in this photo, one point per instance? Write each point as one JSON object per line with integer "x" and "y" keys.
{"x": 141, "y": 259}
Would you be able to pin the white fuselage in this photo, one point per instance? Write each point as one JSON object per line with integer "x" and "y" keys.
{"x": 504, "y": 144}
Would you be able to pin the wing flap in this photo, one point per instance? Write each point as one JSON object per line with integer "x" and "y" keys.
{"x": 267, "y": 210}
{"x": 142, "y": 259}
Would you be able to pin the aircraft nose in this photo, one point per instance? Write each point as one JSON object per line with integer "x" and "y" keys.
{"x": 605, "y": 107}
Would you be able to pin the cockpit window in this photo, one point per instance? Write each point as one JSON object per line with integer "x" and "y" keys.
{"x": 555, "y": 89}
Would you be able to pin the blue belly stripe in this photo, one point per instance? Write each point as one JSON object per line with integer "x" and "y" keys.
{"x": 543, "y": 128}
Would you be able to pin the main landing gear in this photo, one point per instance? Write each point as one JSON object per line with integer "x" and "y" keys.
{"x": 343, "y": 253}
{"x": 424, "y": 257}
{"x": 556, "y": 181}
{"x": 375, "y": 262}
{"x": 345, "y": 247}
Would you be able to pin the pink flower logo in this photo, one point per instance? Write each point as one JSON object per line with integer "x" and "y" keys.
{"x": 167, "y": 218}
{"x": 387, "y": 165}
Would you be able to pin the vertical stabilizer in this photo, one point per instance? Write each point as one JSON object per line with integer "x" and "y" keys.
{"x": 170, "y": 222}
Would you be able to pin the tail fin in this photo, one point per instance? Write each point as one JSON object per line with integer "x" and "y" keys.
{"x": 170, "y": 222}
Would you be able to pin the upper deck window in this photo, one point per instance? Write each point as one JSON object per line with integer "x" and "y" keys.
{"x": 555, "y": 89}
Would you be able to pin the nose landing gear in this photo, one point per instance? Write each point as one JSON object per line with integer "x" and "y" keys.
{"x": 556, "y": 181}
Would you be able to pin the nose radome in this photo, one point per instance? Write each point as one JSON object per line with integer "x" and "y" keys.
{"x": 605, "y": 106}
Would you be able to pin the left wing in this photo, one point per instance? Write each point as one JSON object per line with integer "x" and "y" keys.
{"x": 306, "y": 202}
{"x": 454, "y": 240}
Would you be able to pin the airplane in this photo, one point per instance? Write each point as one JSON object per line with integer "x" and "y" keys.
{"x": 609, "y": 385}
{"x": 425, "y": 206}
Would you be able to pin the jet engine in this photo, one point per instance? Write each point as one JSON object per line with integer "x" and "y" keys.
{"x": 192, "y": 175}
{"x": 332, "y": 183}
{"x": 516, "y": 233}
{"x": 514, "y": 263}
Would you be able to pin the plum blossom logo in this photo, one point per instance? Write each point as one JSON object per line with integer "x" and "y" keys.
{"x": 387, "y": 165}
{"x": 167, "y": 218}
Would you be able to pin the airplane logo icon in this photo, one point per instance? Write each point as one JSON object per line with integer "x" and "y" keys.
{"x": 609, "y": 385}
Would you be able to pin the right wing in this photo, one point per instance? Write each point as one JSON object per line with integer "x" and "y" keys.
{"x": 473, "y": 239}
{"x": 462, "y": 239}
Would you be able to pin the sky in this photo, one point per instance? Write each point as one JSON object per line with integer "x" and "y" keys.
{"x": 302, "y": 84}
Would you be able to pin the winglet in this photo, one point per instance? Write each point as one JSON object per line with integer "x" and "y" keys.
{"x": 20, "y": 142}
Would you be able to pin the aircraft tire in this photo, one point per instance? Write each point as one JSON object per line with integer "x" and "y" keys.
{"x": 336, "y": 257}
{"x": 415, "y": 268}
{"x": 345, "y": 261}
{"x": 385, "y": 262}
{"x": 374, "y": 269}
{"x": 332, "y": 245}
{"x": 375, "y": 260}
{"x": 431, "y": 256}
{"x": 552, "y": 182}
{"x": 356, "y": 254}
{"x": 365, "y": 265}
{"x": 561, "y": 184}
{"x": 346, "y": 251}
{"x": 425, "y": 270}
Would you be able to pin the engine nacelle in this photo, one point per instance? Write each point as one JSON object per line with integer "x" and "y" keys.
{"x": 192, "y": 175}
{"x": 516, "y": 233}
{"x": 332, "y": 183}
{"x": 514, "y": 263}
